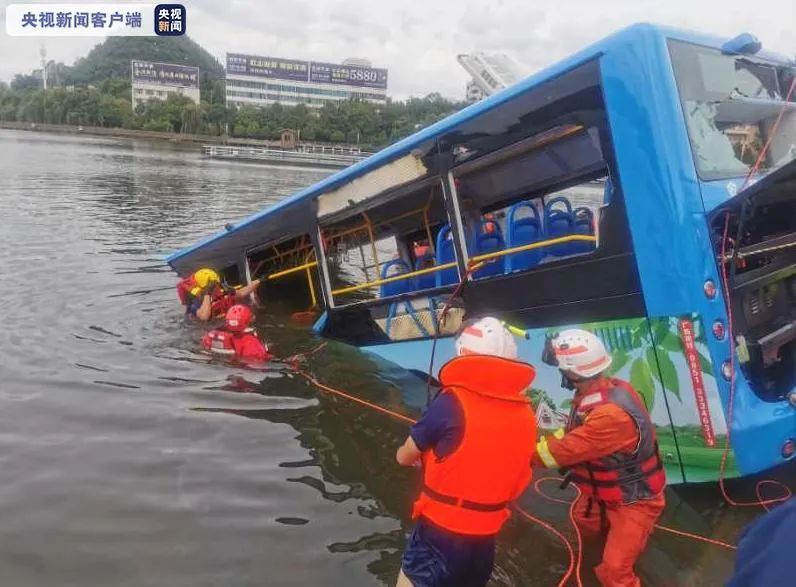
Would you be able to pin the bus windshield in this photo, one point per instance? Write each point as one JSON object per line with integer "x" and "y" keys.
{"x": 730, "y": 105}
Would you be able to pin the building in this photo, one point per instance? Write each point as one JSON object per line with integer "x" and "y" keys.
{"x": 159, "y": 80}
{"x": 270, "y": 80}
{"x": 490, "y": 73}
{"x": 548, "y": 419}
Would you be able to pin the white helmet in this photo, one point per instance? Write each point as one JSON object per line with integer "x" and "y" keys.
{"x": 486, "y": 336}
{"x": 580, "y": 352}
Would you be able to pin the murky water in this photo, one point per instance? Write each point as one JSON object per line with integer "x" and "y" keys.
{"x": 128, "y": 458}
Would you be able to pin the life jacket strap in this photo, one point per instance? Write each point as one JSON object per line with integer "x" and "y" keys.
{"x": 608, "y": 483}
{"x": 464, "y": 503}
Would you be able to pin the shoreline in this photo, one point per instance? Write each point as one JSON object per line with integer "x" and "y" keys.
{"x": 192, "y": 139}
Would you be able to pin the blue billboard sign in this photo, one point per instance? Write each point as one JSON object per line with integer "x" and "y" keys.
{"x": 350, "y": 75}
{"x": 297, "y": 70}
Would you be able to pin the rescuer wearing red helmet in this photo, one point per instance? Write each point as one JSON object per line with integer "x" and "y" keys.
{"x": 205, "y": 296}
{"x": 610, "y": 451}
{"x": 237, "y": 338}
{"x": 475, "y": 443}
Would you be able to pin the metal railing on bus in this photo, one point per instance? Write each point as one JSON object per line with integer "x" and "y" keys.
{"x": 485, "y": 257}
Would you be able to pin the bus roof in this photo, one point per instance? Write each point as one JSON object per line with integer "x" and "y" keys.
{"x": 223, "y": 248}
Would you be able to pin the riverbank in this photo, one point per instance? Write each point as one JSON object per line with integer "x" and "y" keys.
{"x": 137, "y": 134}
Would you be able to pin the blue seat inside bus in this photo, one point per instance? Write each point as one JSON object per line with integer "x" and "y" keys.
{"x": 428, "y": 280}
{"x": 489, "y": 239}
{"x": 524, "y": 231}
{"x": 446, "y": 253}
{"x": 559, "y": 221}
{"x": 584, "y": 224}
{"x": 391, "y": 269}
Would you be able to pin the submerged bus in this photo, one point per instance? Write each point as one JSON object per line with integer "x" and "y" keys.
{"x": 643, "y": 188}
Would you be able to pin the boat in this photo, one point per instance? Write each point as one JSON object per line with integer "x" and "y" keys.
{"x": 306, "y": 156}
{"x": 642, "y": 188}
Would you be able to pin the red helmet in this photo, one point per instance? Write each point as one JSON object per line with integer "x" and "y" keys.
{"x": 238, "y": 318}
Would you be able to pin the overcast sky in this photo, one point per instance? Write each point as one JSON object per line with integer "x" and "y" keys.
{"x": 418, "y": 40}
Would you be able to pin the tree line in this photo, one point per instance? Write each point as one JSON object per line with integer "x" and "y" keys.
{"x": 108, "y": 104}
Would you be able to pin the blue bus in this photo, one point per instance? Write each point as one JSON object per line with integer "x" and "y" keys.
{"x": 644, "y": 188}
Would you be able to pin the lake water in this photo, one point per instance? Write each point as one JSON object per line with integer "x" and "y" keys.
{"x": 129, "y": 458}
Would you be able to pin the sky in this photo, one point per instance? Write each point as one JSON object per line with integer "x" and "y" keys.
{"x": 418, "y": 40}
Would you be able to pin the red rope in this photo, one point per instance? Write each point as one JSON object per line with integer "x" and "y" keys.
{"x": 787, "y": 493}
{"x": 731, "y": 399}
{"x": 771, "y": 135}
{"x": 575, "y": 553}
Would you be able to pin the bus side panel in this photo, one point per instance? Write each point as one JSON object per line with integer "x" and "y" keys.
{"x": 682, "y": 366}
{"x": 628, "y": 341}
{"x": 670, "y": 234}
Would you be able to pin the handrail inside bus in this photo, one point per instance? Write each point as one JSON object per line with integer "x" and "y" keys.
{"x": 485, "y": 257}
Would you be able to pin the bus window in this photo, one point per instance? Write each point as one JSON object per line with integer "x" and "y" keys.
{"x": 730, "y": 105}
{"x": 388, "y": 248}
{"x": 288, "y": 272}
{"x": 512, "y": 223}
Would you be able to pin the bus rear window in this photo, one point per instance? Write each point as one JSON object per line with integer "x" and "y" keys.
{"x": 730, "y": 104}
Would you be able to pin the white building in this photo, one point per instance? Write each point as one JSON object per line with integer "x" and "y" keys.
{"x": 490, "y": 73}
{"x": 158, "y": 80}
{"x": 548, "y": 419}
{"x": 269, "y": 80}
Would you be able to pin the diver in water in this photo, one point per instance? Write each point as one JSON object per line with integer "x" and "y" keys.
{"x": 237, "y": 338}
{"x": 206, "y": 296}
{"x": 610, "y": 451}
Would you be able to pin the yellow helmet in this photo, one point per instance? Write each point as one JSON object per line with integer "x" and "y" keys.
{"x": 205, "y": 276}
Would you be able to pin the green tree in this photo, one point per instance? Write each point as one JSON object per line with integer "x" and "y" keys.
{"x": 22, "y": 83}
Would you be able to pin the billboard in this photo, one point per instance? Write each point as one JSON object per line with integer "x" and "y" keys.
{"x": 165, "y": 74}
{"x": 270, "y": 67}
{"x": 351, "y": 75}
{"x": 303, "y": 71}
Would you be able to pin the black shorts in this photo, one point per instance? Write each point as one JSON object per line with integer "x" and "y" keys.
{"x": 435, "y": 557}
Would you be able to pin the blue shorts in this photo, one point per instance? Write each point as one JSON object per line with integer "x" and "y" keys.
{"x": 435, "y": 557}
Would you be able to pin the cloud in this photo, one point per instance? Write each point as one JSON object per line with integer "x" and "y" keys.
{"x": 418, "y": 40}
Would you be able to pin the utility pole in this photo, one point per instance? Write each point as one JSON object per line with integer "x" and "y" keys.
{"x": 43, "y": 54}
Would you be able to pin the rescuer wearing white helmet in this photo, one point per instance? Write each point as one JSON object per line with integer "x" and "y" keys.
{"x": 475, "y": 443}
{"x": 610, "y": 452}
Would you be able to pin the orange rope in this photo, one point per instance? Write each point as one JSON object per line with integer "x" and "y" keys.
{"x": 560, "y": 536}
{"x": 575, "y": 560}
{"x": 731, "y": 398}
{"x": 363, "y": 402}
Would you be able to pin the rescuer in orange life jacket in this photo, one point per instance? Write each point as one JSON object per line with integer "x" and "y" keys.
{"x": 237, "y": 337}
{"x": 205, "y": 296}
{"x": 475, "y": 443}
{"x": 610, "y": 451}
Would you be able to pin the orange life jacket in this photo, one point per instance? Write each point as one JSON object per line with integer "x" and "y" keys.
{"x": 621, "y": 477}
{"x": 468, "y": 491}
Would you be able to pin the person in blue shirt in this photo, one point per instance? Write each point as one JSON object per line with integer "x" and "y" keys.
{"x": 765, "y": 551}
{"x": 475, "y": 443}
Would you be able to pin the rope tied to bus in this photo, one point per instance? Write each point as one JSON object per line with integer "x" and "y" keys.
{"x": 574, "y": 551}
{"x": 723, "y": 262}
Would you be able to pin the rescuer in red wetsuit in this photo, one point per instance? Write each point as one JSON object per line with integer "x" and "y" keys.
{"x": 610, "y": 451}
{"x": 237, "y": 338}
{"x": 205, "y": 296}
{"x": 475, "y": 443}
